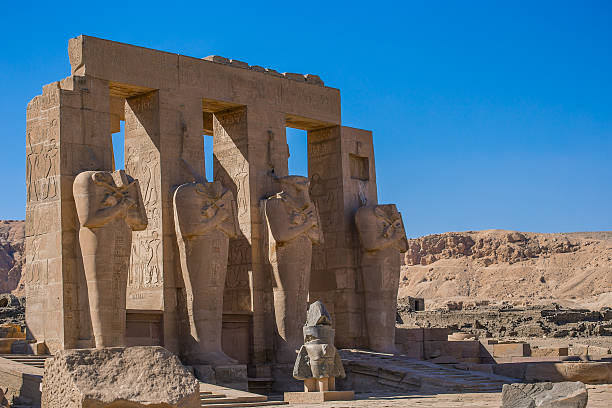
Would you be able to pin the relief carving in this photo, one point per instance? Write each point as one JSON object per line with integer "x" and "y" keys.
{"x": 109, "y": 207}
{"x": 293, "y": 227}
{"x": 383, "y": 238}
{"x": 41, "y": 169}
{"x": 205, "y": 220}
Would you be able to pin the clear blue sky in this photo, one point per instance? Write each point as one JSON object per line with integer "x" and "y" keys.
{"x": 485, "y": 114}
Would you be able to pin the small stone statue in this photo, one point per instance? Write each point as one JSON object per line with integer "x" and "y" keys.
{"x": 382, "y": 236}
{"x": 205, "y": 220}
{"x": 293, "y": 227}
{"x": 318, "y": 362}
{"x": 109, "y": 207}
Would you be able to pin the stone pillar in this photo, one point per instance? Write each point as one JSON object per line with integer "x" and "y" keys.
{"x": 163, "y": 149}
{"x": 250, "y": 150}
{"x": 343, "y": 178}
{"x": 67, "y": 132}
{"x": 382, "y": 237}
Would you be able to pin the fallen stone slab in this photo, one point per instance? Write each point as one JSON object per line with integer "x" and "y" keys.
{"x": 545, "y": 395}
{"x": 586, "y": 372}
{"x": 134, "y": 377}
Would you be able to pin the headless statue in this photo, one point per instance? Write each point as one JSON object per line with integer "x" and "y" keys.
{"x": 382, "y": 236}
{"x": 109, "y": 207}
{"x": 205, "y": 220}
{"x": 293, "y": 226}
{"x": 318, "y": 362}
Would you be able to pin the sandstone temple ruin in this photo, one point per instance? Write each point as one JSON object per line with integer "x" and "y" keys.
{"x": 217, "y": 270}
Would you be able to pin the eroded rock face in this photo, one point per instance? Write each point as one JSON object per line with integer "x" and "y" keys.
{"x": 12, "y": 258}
{"x": 488, "y": 246}
{"x": 118, "y": 377}
{"x": 545, "y": 395}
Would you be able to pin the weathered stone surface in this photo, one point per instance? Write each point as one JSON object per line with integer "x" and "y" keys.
{"x": 118, "y": 377}
{"x": 382, "y": 236}
{"x": 109, "y": 207}
{"x": 294, "y": 226}
{"x": 545, "y": 395}
{"x": 20, "y": 383}
{"x": 318, "y": 397}
{"x": 586, "y": 372}
{"x": 205, "y": 219}
{"x": 318, "y": 358}
{"x": 12, "y": 256}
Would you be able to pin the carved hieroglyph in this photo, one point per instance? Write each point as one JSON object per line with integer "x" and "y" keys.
{"x": 109, "y": 207}
{"x": 382, "y": 236}
{"x": 318, "y": 362}
{"x": 205, "y": 219}
{"x": 293, "y": 226}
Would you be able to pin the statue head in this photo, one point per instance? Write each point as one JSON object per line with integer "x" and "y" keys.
{"x": 294, "y": 184}
{"x": 201, "y": 207}
{"x": 381, "y": 226}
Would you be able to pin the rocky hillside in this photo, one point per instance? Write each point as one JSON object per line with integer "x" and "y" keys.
{"x": 12, "y": 256}
{"x": 519, "y": 267}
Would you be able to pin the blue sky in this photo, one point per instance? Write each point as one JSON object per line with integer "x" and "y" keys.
{"x": 485, "y": 114}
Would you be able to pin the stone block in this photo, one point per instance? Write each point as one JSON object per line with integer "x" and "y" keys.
{"x": 586, "y": 372}
{"x": 318, "y": 397}
{"x": 435, "y": 334}
{"x": 457, "y": 349}
{"x": 109, "y": 377}
{"x": 411, "y": 349}
{"x": 549, "y": 395}
{"x": 232, "y": 376}
{"x": 20, "y": 383}
{"x": 403, "y": 335}
{"x": 549, "y": 351}
{"x": 6, "y": 345}
{"x": 512, "y": 370}
{"x": 511, "y": 350}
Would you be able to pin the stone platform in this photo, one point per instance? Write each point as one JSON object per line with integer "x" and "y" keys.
{"x": 320, "y": 396}
{"x": 231, "y": 376}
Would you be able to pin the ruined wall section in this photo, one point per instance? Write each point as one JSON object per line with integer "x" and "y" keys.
{"x": 67, "y": 132}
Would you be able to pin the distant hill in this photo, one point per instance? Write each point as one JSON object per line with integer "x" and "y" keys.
{"x": 520, "y": 267}
{"x": 12, "y": 256}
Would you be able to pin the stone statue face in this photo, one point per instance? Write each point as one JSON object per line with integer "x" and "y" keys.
{"x": 294, "y": 184}
{"x": 215, "y": 200}
{"x": 201, "y": 207}
{"x": 101, "y": 196}
{"x": 381, "y": 226}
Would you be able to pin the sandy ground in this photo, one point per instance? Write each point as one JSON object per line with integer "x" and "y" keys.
{"x": 600, "y": 396}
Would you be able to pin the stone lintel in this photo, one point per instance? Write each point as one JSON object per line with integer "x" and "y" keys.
{"x": 133, "y": 70}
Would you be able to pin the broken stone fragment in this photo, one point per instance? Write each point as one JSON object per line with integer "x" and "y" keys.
{"x": 217, "y": 58}
{"x": 240, "y": 64}
{"x": 545, "y": 395}
{"x": 294, "y": 76}
{"x": 317, "y": 315}
{"x": 314, "y": 79}
{"x": 112, "y": 377}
